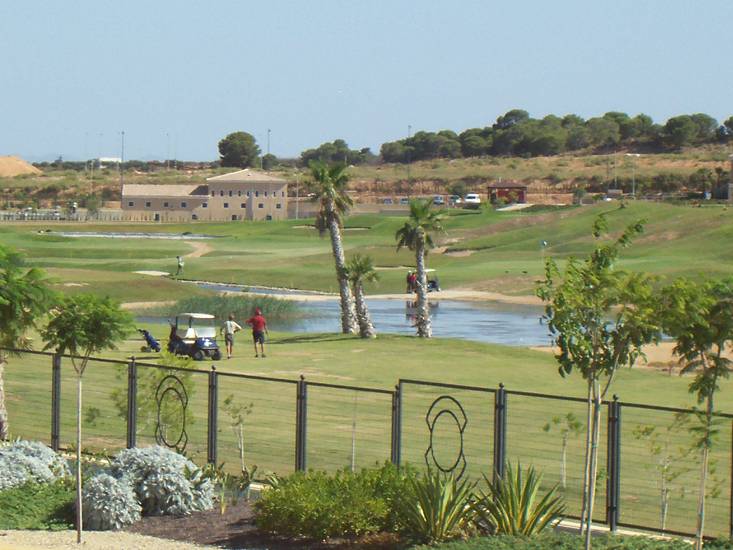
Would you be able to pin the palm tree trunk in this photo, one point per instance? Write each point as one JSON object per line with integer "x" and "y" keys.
{"x": 348, "y": 317}
{"x": 4, "y": 427}
{"x": 366, "y": 329}
{"x": 424, "y": 330}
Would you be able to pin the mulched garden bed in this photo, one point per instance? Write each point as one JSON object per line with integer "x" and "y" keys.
{"x": 236, "y": 529}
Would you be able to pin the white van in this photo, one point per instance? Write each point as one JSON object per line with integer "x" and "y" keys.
{"x": 472, "y": 198}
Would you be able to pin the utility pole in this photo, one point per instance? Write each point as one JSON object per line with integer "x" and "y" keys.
{"x": 634, "y": 156}
{"x": 122, "y": 161}
{"x": 409, "y": 159}
{"x": 167, "y": 151}
{"x": 268, "y": 141}
{"x": 297, "y": 188}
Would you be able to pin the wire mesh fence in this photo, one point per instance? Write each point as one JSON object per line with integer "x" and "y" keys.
{"x": 649, "y": 462}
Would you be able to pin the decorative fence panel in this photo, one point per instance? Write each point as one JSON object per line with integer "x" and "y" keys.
{"x": 648, "y": 463}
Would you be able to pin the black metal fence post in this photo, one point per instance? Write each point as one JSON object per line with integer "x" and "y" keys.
{"x": 213, "y": 408}
{"x": 56, "y": 402}
{"x": 301, "y": 416}
{"x": 499, "y": 432}
{"x": 396, "y": 426}
{"x": 730, "y": 519}
{"x": 131, "y": 403}
{"x": 613, "y": 465}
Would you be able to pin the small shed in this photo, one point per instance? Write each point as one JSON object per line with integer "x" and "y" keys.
{"x": 509, "y": 191}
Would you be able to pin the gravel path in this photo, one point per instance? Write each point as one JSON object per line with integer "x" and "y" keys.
{"x": 92, "y": 540}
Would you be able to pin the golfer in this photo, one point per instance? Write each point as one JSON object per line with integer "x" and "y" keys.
{"x": 229, "y": 328}
{"x": 259, "y": 329}
{"x": 179, "y": 259}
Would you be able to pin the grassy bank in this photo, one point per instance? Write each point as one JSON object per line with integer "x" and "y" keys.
{"x": 484, "y": 250}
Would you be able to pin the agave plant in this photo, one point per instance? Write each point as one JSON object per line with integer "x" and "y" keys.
{"x": 513, "y": 506}
{"x": 436, "y": 507}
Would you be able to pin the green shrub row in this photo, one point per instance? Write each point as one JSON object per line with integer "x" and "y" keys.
{"x": 561, "y": 541}
{"x": 47, "y": 506}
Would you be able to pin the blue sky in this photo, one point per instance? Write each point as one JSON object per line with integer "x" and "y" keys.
{"x": 178, "y": 76}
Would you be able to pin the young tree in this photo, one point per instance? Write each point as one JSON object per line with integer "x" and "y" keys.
{"x": 568, "y": 425}
{"x": 600, "y": 317}
{"x": 416, "y": 235}
{"x": 24, "y": 299}
{"x": 329, "y": 186}
{"x": 361, "y": 270}
{"x": 82, "y": 325}
{"x": 699, "y": 316}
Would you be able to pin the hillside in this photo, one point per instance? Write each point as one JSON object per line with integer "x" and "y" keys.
{"x": 11, "y": 167}
{"x": 668, "y": 172}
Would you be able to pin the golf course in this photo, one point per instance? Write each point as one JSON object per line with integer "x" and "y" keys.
{"x": 482, "y": 254}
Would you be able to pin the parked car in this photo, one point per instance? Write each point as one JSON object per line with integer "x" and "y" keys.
{"x": 473, "y": 198}
{"x": 454, "y": 200}
{"x": 438, "y": 200}
{"x": 388, "y": 200}
{"x": 404, "y": 200}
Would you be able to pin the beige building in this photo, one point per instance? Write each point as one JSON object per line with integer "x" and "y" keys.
{"x": 243, "y": 195}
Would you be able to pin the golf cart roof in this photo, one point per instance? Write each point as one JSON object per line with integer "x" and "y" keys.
{"x": 196, "y": 315}
{"x": 428, "y": 270}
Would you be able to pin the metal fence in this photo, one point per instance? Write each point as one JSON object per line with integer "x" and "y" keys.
{"x": 648, "y": 475}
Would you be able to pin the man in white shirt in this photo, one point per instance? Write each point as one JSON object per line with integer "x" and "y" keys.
{"x": 229, "y": 328}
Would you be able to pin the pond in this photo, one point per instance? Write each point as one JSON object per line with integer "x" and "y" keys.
{"x": 493, "y": 322}
{"x": 135, "y": 235}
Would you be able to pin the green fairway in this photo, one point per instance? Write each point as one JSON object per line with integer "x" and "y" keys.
{"x": 484, "y": 250}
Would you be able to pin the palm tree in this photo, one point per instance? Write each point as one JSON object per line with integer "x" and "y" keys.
{"x": 415, "y": 235}
{"x": 24, "y": 299}
{"x": 361, "y": 270}
{"x": 329, "y": 186}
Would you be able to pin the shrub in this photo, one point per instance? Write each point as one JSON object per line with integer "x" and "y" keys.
{"x": 109, "y": 503}
{"x": 436, "y": 507}
{"x": 164, "y": 482}
{"x": 513, "y": 506}
{"x": 47, "y": 506}
{"x": 317, "y": 505}
{"x": 24, "y": 461}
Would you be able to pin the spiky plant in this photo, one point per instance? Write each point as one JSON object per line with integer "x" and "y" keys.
{"x": 513, "y": 504}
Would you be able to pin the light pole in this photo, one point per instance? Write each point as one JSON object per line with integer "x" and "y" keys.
{"x": 297, "y": 187}
{"x": 409, "y": 159}
{"x": 122, "y": 161}
{"x": 634, "y": 156}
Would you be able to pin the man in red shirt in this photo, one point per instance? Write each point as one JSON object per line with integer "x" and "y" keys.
{"x": 259, "y": 329}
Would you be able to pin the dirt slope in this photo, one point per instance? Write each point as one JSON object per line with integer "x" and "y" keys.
{"x": 15, "y": 166}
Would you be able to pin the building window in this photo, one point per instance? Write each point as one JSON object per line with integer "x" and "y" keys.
{"x": 131, "y": 203}
{"x": 265, "y": 193}
{"x": 243, "y": 205}
{"x": 248, "y": 193}
{"x": 279, "y": 206}
{"x": 147, "y": 204}
{"x": 230, "y": 193}
{"x": 257, "y": 193}
{"x": 260, "y": 205}
{"x": 239, "y": 193}
{"x": 194, "y": 217}
{"x": 283, "y": 193}
{"x": 221, "y": 193}
{"x": 205, "y": 205}
{"x": 165, "y": 205}
{"x": 226, "y": 205}
{"x": 213, "y": 193}
{"x": 184, "y": 204}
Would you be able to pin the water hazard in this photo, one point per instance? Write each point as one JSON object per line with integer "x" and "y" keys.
{"x": 492, "y": 322}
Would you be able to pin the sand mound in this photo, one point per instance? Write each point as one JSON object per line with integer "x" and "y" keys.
{"x": 15, "y": 166}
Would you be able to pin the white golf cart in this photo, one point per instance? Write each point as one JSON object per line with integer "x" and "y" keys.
{"x": 194, "y": 335}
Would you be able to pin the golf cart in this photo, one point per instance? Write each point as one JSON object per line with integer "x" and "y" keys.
{"x": 194, "y": 335}
{"x": 432, "y": 280}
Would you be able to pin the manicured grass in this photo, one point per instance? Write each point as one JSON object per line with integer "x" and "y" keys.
{"x": 496, "y": 251}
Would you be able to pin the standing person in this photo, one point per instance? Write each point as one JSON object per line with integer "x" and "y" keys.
{"x": 259, "y": 329}
{"x": 179, "y": 259}
{"x": 229, "y": 328}
{"x": 408, "y": 282}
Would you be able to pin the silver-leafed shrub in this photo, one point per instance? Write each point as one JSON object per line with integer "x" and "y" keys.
{"x": 109, "y": 503}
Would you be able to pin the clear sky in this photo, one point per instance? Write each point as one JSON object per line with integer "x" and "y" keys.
{"x": 178, "y": 76}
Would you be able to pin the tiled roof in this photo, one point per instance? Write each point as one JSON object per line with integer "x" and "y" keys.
{"x": 145, "y": 190}
{"x": 246, "y": 176}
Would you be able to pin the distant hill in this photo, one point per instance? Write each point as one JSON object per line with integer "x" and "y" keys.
{"x": 16, "y": 166}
